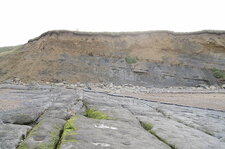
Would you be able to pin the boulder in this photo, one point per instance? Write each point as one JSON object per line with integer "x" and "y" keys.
{"x": 204, "y": 86}
{"x": 140, "y": 67}
{"x": 22, "y": 116}
{"x": 223, "y": 86}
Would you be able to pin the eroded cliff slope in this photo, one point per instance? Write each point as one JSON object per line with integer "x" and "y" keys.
{"x": 159, "y": 58}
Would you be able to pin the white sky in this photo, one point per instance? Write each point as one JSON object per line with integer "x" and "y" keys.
{"x": 21, "y": 20}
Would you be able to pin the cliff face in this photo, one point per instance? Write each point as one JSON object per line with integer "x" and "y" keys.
{"x": 158, "y": 58}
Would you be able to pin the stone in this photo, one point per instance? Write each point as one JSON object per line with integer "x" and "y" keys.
{"x": 208, "y": 122}
{"x": 21, "y": 116}
{"x": 59, "y": 84}
{"x": 117, "y": 91}
{"x": 129, "y": 85}
{"x": 48, "y": 107}
{"x": 17, "y": 79}
{"x": 204, "y": 86}
{"x": 11, "y": 135}
{"x": 8, "y": 81}
{"x": 78, "y": 108}
{"x": 71, "y": 86}
{"x": 115, "y": 134}
{"x": 61, "y": 114}
{"x": 140, "y": 67}
{"x": 111, "y": 85}
{"x": 223, "y": 86}
{"x": 81, "y": 85}
{"x": 100, "y": 85}
{"x": 212, "y": 87}
{"x": 45, "y": 134}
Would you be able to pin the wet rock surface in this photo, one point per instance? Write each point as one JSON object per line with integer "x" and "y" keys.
{"x": 53, "y": 116}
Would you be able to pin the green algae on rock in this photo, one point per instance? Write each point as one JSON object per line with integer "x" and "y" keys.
{"x": 45, "y": 135}
{"x": 68, "y": 130}
{"x": 93, "y": 113}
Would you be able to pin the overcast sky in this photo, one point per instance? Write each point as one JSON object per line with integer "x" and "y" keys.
{"x": 21, "y": 20}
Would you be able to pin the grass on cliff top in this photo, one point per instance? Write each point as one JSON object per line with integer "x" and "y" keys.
{"x": 219, "y": 74}
{"x": 7, "y": 50}
{"x": 93, "y": 113}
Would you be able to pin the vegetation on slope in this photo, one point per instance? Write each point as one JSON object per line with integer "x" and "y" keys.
{"x": 219, "y": 74}
{"x": 131, "y": 60}
{"x": 7, "y": 50}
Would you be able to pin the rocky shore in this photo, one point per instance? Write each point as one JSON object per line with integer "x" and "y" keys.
{"x": 89, "y": 116}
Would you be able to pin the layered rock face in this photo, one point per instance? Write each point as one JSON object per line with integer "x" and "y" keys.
{"x": 158, "y": 58}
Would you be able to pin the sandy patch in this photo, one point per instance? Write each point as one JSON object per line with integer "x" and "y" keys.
{"x": 212, "y": 101}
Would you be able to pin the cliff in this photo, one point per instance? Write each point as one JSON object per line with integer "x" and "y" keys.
{"x": 157, "y": 58}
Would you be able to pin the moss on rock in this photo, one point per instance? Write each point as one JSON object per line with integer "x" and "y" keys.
{"x": 219, "y": 74}
{"x": 147, "y": 126}
{"x": 22, "y": 146}
{"x": 131, "y": 60}
{"x": 93, "y": 113}
{"x": 52, "y": 136}
{"x": 68, "y": 131}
